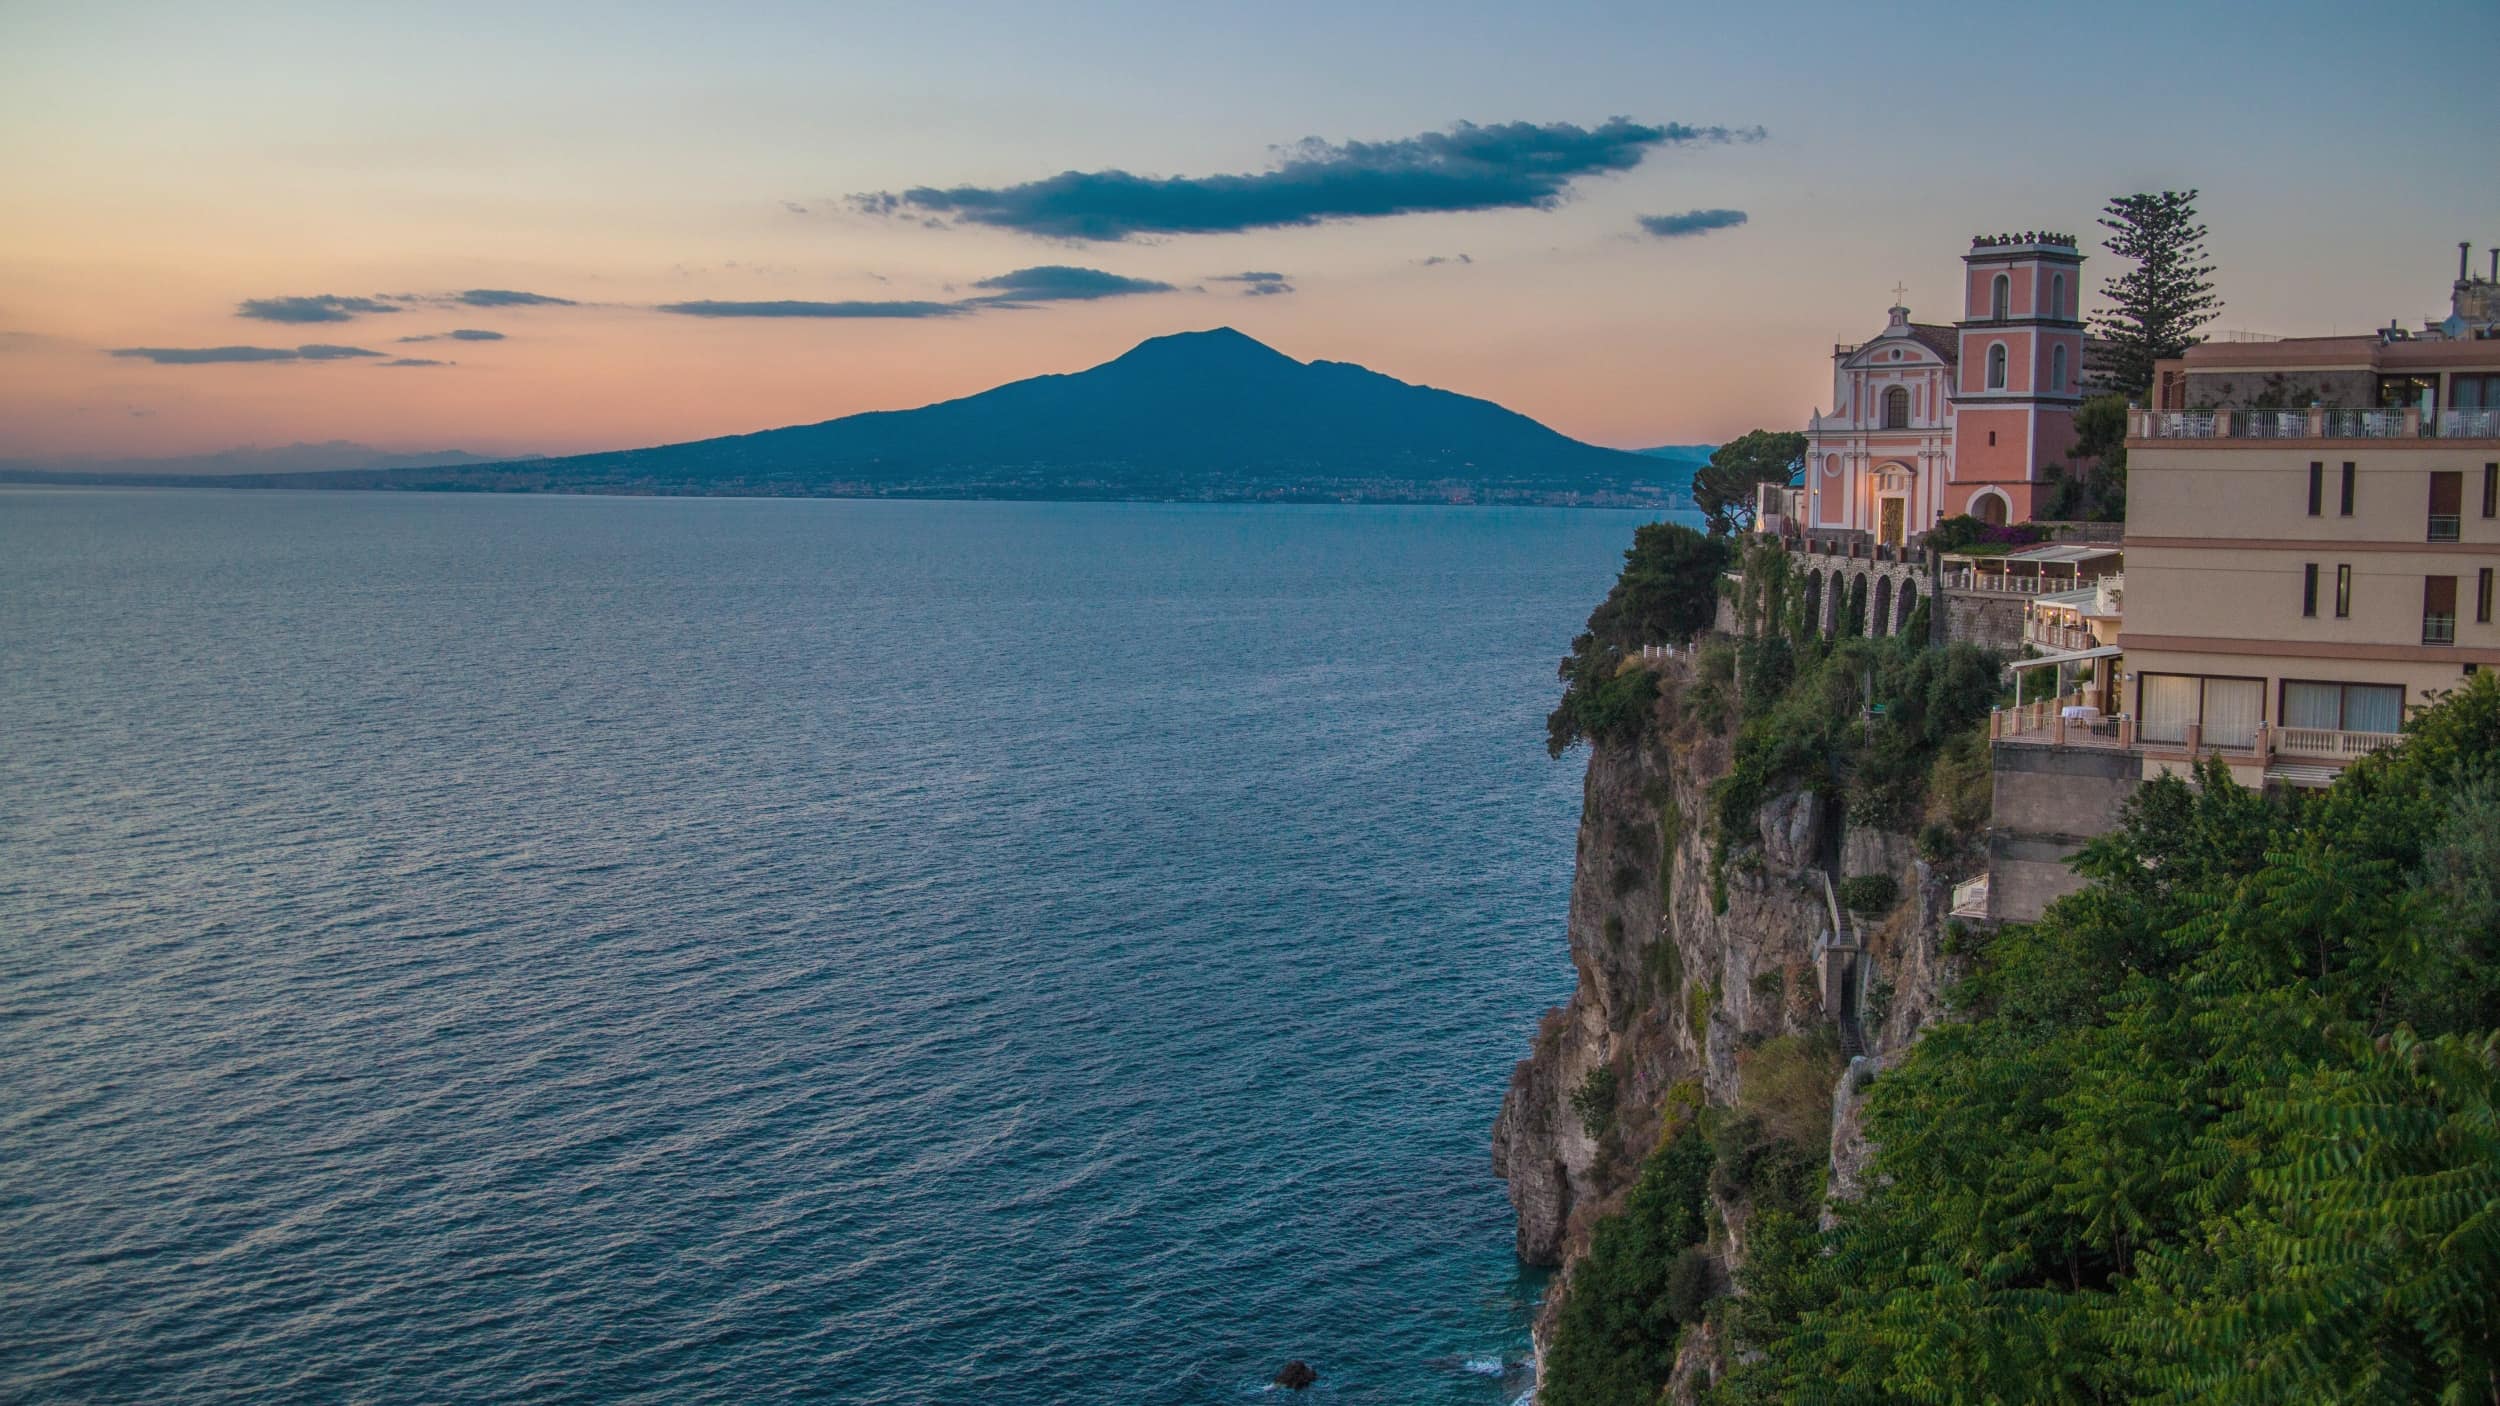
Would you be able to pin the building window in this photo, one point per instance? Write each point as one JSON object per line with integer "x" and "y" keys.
{"x": 2228, "y": 710}
{"x": 2439, "y": 610}
{"x": 2309, "y": 591}
{"x": 2347, "y": 510}
{"x": 2482, "y": 597}
{"x": 2344, "y": 707}
{"x": 2447, "y": 506}
{"x": 1897, "y": 409}
{"x": 2057, "y": 296}
{"x": 1996, "y": 367}
{"x": 2057, "y": 368}
{"x": 2343, "y": 593}
{"x": 2491, "y": 490}
{"x": 2001, "y": 299}
{"x": 2317, "y": 487}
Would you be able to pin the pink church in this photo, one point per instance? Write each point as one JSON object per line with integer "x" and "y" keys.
{"x": 1929, "y": 421}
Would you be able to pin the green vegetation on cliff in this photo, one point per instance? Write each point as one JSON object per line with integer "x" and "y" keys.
{"x": 1668, "y": 592}
{"x": 2220, "y": 1128}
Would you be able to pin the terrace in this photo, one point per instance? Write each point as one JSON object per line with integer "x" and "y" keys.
{"x": 2313, "y": 423}
{"x": 2069, "y": 720}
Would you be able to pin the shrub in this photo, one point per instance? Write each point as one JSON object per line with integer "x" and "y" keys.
{"x": 1615, "y": 1335}
{"x": 1869, "y": 893}
{"x": 1688, "y": 1285}
{"x": 1594, "y": 1101}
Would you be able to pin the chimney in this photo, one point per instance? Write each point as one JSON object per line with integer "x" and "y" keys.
{"x": 2465, "y": 253}
{"x": 2495, "y": 263}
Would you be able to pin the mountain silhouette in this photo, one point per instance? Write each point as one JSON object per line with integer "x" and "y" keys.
{"x": 1195, "y": 416}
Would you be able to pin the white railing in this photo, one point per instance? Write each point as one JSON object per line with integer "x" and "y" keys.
{"x": 2469, "y": 424}
{"x": 2327, "y": 742}
{"x": 2057, "y": 638}
{"x": 2002, "y": 583}
{"x": 2316, "y": 422}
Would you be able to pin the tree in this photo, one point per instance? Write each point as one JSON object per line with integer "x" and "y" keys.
{"x": 1724, "y": 488}
{"x": 2155, "y": 307}
{"x": 1668, "y": 593}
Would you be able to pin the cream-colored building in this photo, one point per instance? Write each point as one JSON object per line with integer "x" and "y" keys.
{"x": 2313, "y": 528}
{"x": 2304, "y": 579}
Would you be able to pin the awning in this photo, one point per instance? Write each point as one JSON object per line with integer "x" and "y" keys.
{"x": 2107, "y": 651}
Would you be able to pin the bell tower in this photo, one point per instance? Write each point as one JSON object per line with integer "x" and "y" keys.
{"x": 2019, "y": 375}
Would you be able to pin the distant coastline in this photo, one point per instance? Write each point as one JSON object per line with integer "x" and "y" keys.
{"x": 1385, "y": 493}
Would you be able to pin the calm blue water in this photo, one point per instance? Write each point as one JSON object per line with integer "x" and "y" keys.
{"x": 461, "y": 948}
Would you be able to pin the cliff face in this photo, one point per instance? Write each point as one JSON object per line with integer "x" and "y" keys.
{"x": 1681, "y": 976}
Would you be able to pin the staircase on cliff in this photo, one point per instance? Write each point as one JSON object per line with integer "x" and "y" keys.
{"x": 1840, "y": 955}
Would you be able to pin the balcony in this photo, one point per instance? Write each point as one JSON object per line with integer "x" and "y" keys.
{"x": 2057, "y": 638}
{"x": 2443, "y": 527}
{"x": 2313, "y": 423}
{"x": 2439, "y": 629}
{"x": 2045, "y": 724}
{"x": 2329, "y": 744}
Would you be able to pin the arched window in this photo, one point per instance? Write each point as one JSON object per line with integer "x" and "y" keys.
{"x": 2002, "y": 300}
{"x": 2057, "y": 368}
{"x": 1897, "y": 408}
{"x": 1996, "y": 367}
{"x": 2057, "y": 296}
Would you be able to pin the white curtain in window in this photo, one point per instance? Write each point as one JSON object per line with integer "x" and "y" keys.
{"x": 2169, "y": 706}
{"x": 2313, "y": 705}
{"x": 2374, "y": 708}
{"x": 2232, "y": 709}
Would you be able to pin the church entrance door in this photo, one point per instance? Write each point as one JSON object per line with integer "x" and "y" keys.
{"x": 1892, "y": 525}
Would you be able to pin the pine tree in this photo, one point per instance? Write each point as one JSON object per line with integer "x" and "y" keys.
{"x": 2155, "y": 307}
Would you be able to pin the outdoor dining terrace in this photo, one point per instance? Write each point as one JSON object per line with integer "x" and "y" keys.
{"x": 2069, "y": 720}
{"x": 2313, "y": 423}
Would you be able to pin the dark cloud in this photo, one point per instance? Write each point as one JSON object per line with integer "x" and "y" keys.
{"x": 1063, "y": 283}
{"x": 787, "y": 307}
{"x": 202, "y": 356}
{"x": 794, "y": 207}
{"x": 458, "y": 334}
{"x": 1691, "y": 222}
{"x": 1256, "y": 284}
{"x": 412, "y": 361}
{"x": 1439, "y": 259}
{"x": 319, "y": 307}
{"x": 508, "y": 298}
{"x": 1510, "y": 165}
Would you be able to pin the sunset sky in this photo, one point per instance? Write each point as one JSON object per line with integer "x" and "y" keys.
{"x": 678, "y": 221}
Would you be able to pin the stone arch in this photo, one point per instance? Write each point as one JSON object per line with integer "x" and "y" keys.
{"x": 1991, "y": 507}
{"x": 1879, "y": 615}
{"x": 1853, "y": 616}
{"x": 1835, "y": 603}
{"x": 1904, "y": 604}
{"x": 1814, "y": 601}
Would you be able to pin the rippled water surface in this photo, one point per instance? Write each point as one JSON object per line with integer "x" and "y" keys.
{"x": 461, "y": 948}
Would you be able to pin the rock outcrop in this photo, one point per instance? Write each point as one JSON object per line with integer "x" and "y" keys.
{"x": 1687, "y": 958}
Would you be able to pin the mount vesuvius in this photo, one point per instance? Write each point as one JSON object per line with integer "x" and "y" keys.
{"x": 1196, "y": 416}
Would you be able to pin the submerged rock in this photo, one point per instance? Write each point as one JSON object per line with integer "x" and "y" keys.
{"x": 1297, "y": 1375}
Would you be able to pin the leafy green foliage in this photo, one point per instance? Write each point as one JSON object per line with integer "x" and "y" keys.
{"x": 1869, "y": 893}
{"x": 1614, "y": 1340}
{"x": 1815, "y": 734}
{"x": 1724, "y": 488}
{"x": 1594, "y": 1101}
{"x": 1667, "y": 593}
{"x": 2157, "y": 306}
{"x": 2219, "y": 1128}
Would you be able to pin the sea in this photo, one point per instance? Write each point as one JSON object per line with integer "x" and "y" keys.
{"x": 560, "y": 949}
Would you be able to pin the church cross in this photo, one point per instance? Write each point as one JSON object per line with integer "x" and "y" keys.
{"x": 1898, "y": 293}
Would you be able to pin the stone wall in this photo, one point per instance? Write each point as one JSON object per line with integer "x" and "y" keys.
{"x": 2048, "y": 802}
{"x": 1989, "y": 619}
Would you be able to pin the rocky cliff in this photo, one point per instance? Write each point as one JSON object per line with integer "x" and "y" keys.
{"x": 1690, "y": 961}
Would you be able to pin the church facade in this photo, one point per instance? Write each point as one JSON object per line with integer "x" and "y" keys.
{"x": 1929, "y": 421}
